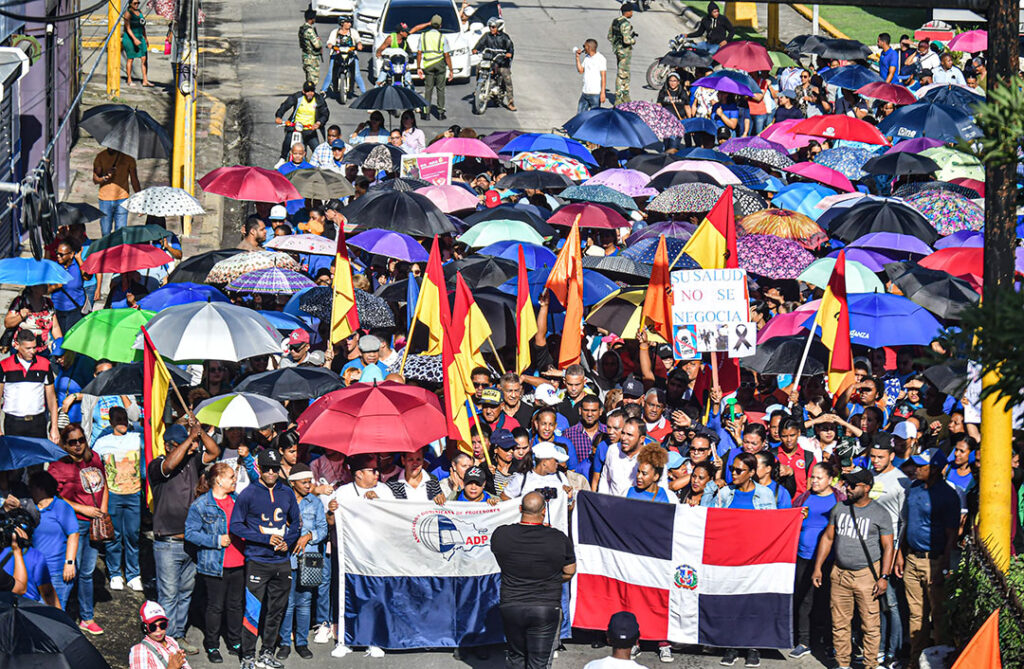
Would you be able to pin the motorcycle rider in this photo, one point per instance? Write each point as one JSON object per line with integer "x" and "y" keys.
{"x": 343, "y": 37}
{"x": 496, "y": 38}
{"x": 308, "y": 109}
{"x": 622, "y": 38}
{"x": 398, "y": 40}
{"x": 434, "y": 65}
{"x": 717, "y": 29}
{"x": 309, "y": 43}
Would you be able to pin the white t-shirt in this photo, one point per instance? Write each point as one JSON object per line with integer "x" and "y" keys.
{"x": 418, "y": 493}
{"x": 351, "y": 491}
{"x": 612, "y": 663}
{"x": 619, "y": 473}
{"x": 890, "y": 491}
{"x": 593, "y": 66}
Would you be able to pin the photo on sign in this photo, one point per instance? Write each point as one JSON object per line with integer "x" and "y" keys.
{"x": 713, "y": 337}
{"x": 684, "y": 342}
{"x": 742, "y": 340}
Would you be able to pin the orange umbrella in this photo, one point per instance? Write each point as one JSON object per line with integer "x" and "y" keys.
{"x": 785, "y": 224}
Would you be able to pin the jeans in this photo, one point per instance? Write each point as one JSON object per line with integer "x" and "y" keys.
{"x": 892, "y": 621}
{"x": 329, "y": 79}
{"x": 63, "y": 589}
{"x": 531, "y": 635}
{"x": 588, "y": 101}
{"x": 269, "y": 584}
{"x": 86, "y": 565}
{"x": 300, "y": 600}
{"x": 175, "y": 578}
{"x": 759, "y": 122}
{"x": 26, "y": 426}
{"x": 705, "y": 46}
{"x": 126, "y": 512}
{"x": 324, "y": 593}
{"x": 224, "y": 595}
{"x": 114, "y": 216}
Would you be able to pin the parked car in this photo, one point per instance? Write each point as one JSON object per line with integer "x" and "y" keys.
{"x": 333, "y": 8}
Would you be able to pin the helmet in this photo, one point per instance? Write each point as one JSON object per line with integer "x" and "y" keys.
{"x": 495, "y": 22}
{"x": 344, "y": 18}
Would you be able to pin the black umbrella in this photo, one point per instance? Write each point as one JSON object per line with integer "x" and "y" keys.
{"x": 619, "y": 268}
{"x": 676, "y": 177}
{"x": 686, "y": 58}
{"x": 803, "y": 44}
{"x": 881, "y": 216}
{"x": 195, "y": 269}
{"x": 358, "y": 154}
{"x": 373, "y": 311}
{"x": 399, "y": 183}
{"x": 126, "y": 379}
{"x": 535, "y": 179}
{"x": 132, "y": 234}
{"x": 781, "y": 355}
{"x": 128, "y": 130}
{"x": 69, "y": 213}
{"x": 900, "y": 163}
{"x": 512, "y": 213}
{"x": 389, "y": 98}
{"x": 320, "y": 184}
{"x": 939, "y": 292}
{"x": 292, "y": 383}
{"x": 477, "y": 271}
{"x": 843, "y": 49}
{"x": 951, "y": 377}
{"x": 34, "y": 635}
{"x": 400, "y": 211}
{"x": 499, "y": 310}
{"x": 650, "y": 163}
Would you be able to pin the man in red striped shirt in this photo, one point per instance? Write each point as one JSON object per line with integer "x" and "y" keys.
{"x": 27, "y": 391}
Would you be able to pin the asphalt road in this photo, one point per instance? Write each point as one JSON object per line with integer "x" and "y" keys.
{"x": 544, "y": 74}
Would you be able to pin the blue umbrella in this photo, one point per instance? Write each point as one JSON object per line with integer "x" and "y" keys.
{"x": 644, "y": 250}
{"x": 534, "y": 255}
{"x": 596, "y": 286}
{"x": 287, "y": 322}
{"x": 883, "y": 319}
{"x": 729, "y": 81}
{"x": 31, "y": 272}
{"x": 846, "y": 160}
{"x": 954, "y": 96}
{"x": 545, "y": 141}
{"x": 292, "y": 305}
{"x": 700, "y": 124}
{"x": 18, "y": 452}
{"x": 697, "y": 153}
{"x": 772, "y": 185}
{"x": 750, "y": 176}
{"x": 802, "y": 197}
{"x": 599, "y": 194}
{"x": 610, "y": 127}
{"x": 851, "y": 77}
{"x": 181, "y": 293}
{"x": 929, "y": 119}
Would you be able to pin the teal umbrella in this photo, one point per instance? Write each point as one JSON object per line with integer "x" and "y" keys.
{"x": 490, "y": 232}
{"x": 859, "y": 279}
{"x": 600, "y": 195}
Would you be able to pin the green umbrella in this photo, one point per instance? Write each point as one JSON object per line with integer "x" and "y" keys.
{"x": 859, "y": 279}
{"x": 500, "y": 230}
{"x": 133, "y": 234}
{"x": 781, "y": 59}
{"x": 108, "y": 333}
{"x": 953, "y": 164}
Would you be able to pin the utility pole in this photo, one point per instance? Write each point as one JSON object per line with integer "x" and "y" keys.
{"x": 114, "y": 49}
{"x": 995, "y": 487}
{"x": 50, "y": 48}
{"x": 183, "y": 166}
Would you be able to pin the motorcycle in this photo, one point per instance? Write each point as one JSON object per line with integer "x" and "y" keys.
{"x": 658, "y": 71}
{"x": 395, "y": 64}
{"x": 489, "y": 84}
{"x": 343, "y": 72}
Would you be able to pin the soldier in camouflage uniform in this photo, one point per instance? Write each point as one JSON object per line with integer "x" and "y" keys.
{"x": 622, "y": 38}
{"x": 309, "y": 43}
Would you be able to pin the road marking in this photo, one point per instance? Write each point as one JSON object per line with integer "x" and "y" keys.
{"x": 218, "y": 113}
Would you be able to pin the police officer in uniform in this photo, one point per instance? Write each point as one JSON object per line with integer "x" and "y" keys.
{"x": 434, "y": 64}
{"x": 622, "y": 38}
{"x": 309, "y": 43}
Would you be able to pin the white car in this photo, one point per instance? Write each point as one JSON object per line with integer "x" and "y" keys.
{"x": 333, "y": 8}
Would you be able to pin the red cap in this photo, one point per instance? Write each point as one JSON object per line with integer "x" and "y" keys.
{"x": 151, "y": 612}
{"x": 492, "y": 199}
{"x": 298, "y": 336}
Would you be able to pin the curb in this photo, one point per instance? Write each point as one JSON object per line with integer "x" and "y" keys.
{"x": 807, "y": 13}
{"x": 686, "y": 12}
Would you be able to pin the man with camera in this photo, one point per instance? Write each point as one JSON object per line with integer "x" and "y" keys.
{"x": 15, "y": 581}
{"x": 535, "y": 560}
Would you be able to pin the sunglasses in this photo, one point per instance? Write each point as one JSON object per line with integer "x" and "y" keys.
{"x": 295, "y": 347}
{"x": 156, "y": 625}
{"x": 738, "y": 470}
{"x": 699, "y": 450}
{"x": 76, "y": 442}
{"x": 481, "y": 385}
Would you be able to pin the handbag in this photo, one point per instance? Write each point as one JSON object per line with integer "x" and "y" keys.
{"x": 883, "y": 603}
{"x": 101, "y": 528}
{"x": 311, "y": 569}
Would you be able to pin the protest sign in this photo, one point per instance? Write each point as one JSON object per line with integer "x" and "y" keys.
{"x": 433, "y": 167}
{"x": 709, "y": 301}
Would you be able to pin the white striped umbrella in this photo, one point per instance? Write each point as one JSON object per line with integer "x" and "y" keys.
{"x": 241, "y": 410}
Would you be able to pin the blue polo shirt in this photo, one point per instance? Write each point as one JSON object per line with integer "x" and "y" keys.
{"x": 35, "y": 565}
{"x": 930, "y": 512}
{"x": 659, "y": 496}
{"x": 890, "y": 58}
{"x": 71, "y": 296}
{"x": 56, "y": 523}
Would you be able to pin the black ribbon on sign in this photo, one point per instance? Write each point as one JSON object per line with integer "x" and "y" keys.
{"x": 741, "y": 338}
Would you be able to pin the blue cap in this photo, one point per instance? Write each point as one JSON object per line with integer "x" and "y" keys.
{"x": 338, "y": 144}
{"x": 175, "y": 434}
{"x": 57, "y": 348}
{"x": 503, "y": 439}
{"x": 674, "y": 460}
{"x": 932, "y": 456}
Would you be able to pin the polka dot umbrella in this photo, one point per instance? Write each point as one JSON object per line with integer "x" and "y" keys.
{"x": 846, "y": 160}
{"x": 948, "y": 212}
{"x": 785, "y": 224}
{"x": 686, "y": 199}
{"x": 661, "y": 121}
{"x": 771, "y": 256}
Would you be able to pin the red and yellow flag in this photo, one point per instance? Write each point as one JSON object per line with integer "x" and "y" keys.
{"x": 834, "y": 319}
{"x": 156, "y": 382}
{"x": 466, "y": 333}
{"x": 713, "y": 244}
{"x": 657, "y": 311}
{"x": 566, "y": 283}
{"x": 432, "y": 306}
{"x": 344, "y": 315}
{"x": 526, "y": 319}
{"x": 982, "y": 651}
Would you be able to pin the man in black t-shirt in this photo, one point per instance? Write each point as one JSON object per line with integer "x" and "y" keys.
{"x": 535, "y": 560}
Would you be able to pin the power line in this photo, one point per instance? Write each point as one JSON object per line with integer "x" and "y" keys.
{"x": 56, "y": 18}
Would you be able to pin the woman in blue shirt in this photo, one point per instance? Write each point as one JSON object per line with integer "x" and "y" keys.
{"x": 767, "y": 474}
{"x": 69, "y": 298}
{"x": 56, "y": 536}
{"x": 650, "y": 462}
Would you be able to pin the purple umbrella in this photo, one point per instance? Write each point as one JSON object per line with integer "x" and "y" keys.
{"x": 754, "y": 142}
{"x": 628, "y": 182}
{"x": 275, "y": 280}
{"x": 915, "y": 145}
{"x": 391, "y": 244}
{"x": 771, "y": 256}
{"x": 873, "y": 260}
{"x": 962, "y": 239}
{"x": 496, "y": 140}
{"x": 893, "y": 243}
{"x": 674, "y": 229}
{"x": 724, "y": 84}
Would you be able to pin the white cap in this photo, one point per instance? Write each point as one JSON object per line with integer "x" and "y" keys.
{"x": 278, "y": 213}
{"x": 152, "y": 611}
{"x": 546, "y": 449}
{"x": 905, "y": 430}
{"x": 546, "y": 395}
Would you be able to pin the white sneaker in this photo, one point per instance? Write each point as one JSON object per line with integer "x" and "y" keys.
{"x": 136, "y": 584}
{"x": 323, "y": 633}
{"x": 341, "y": 650}
{"x": 665, "y": 654}
{"x": 117, "y": 583}
{"x": 374, "y": 651}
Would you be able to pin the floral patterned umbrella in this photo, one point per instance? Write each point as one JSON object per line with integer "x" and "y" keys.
{"x": 686, "y": 199}
{"x": 785, "y": 224}
{"x": 662, "y": 121}
{"x": 552, "y": 162}
{"x": 907, "y": 190}
{"x": 373, "y": 311}
{"x": 273, "y": 280}
{"x": 230, "y": 268}
{"x": 846, "y": 160}
{"x": 681, "y": 230}
{"x": 628, "y": 182}
{"x": 600, "y": 195}
{"x": 948, "y": 212}
{"x": 746, "y": 201}
{"x": 768, "y": 158}
{"x": 771, "y": 256}
{"x": 735, "y": 144}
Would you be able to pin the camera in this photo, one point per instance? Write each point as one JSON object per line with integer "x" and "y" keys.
{"x": 548, "y": 493}
{"x": 12, "y": 520}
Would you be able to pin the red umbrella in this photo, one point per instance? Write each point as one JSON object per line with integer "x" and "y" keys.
{"x": 746, "y": 56}
{"x": 975, "y": 185}
{"x": 822, "y": 174}
{"x": 965, "y": 262}
{"x": 835, "y": 126}
{"x": 255, "y": 184}
{"x": 125, "y": 258}
{"x": 374, "y": 418}
{"x": 894, "y": 93}
{"x": 591, "y": 216}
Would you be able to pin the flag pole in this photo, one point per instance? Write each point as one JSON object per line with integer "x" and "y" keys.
{"x": 803, "y": 358}
{"x": 479, "y": 432}
{"x": 170, "y": 378}
{"x": 497, "y": 357}
{"x": 408, "y": 344}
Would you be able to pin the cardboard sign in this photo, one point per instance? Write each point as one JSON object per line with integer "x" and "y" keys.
{"x": 710, "y": 300}
{"x": 433, "y": 167}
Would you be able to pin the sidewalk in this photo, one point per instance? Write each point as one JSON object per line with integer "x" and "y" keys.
{"x": 791, "y": 23}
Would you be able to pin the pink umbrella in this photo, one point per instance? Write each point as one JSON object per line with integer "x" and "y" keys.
{"x": 628, "y": 182}
{"x": 780, "y": 134}
{"x": 894, "y": 93}
{"x": 462, "y": 146}
{"x": 830, "y": 201}
{"x": 786, "y": 325}
{"x": 973, "y": 184}
{"x": 449, "y": 198}
{"x": 822, "y": 174}
{"x": 717, "y": 171}
{"x": 971, "y": 41}
{"x": 743, "y": 55}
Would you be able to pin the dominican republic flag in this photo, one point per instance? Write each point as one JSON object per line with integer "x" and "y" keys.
{"x": 693, "y": 575}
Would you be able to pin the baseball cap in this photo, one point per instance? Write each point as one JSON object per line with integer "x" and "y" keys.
{"x": 298, "y": 336}
{"x": 269, "y": 459}
{"x": 175, "y": 434}
{"x": 623, "y": 630}
{"x": 435, "y": 20}
{"x": 859, "y": 475}
{"x": 664, "y": 351}
{"x": 362, "y": 461}
{"x": 632, "y": 388}
{"x": 883, "y": 440}
{"x": 300, "y": 471}
{"x": 152, "y": 612}
{"x": 403, "y": 27}
{"x": 674, "y": 460}
{"x": 490, "y": 397}
{"x": 278, "y": 213}
{"x": 932, "y": 456}
{"x": 905, "y": 430}
{"x": 546, "y": 395}
{"x": 475, "y": 475}
{"x": 926, "y": 72}
{"x": 503, "y": 439}
{"x": 338, "y": 144}
{"x": 546, "y": 449}
{"x": 627, "y": 7}
{"x": 369, "y": 344}
{"x": 492, "y": 199}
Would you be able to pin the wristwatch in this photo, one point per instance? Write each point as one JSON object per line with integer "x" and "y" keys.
{"x": 69, "y": 562}
{"x": 884, "y": 577}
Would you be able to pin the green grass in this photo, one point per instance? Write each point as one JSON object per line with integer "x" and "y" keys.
{"x": 865, "y": 23}
{"x": 742, "y": 32}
